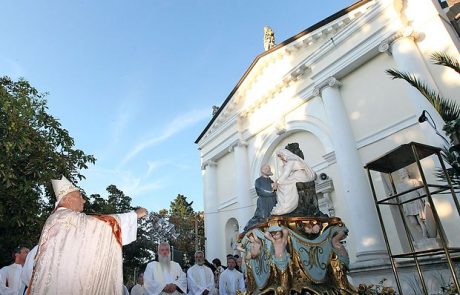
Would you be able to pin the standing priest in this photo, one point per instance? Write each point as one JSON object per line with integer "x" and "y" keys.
{"x": 200, "y": 278}
{"x": 78, "y": 253}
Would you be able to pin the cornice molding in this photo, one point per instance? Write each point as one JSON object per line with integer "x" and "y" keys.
{"x": 239, "y": 143}
{"x": 215, "y": 130}
{"x": 330, "y": 157}
{"x": 231, "y": 201}
{"x": 221, "y": 149}
{"x": 287, "y": 79}
{"x": 297, "y": 72}
{"x": 387, "y": 131}
{"x": 208, "y": 163}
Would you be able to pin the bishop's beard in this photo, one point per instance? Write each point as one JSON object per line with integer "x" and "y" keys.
{"x": 165, "y": 262}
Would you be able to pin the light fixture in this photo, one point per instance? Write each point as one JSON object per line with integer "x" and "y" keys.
{"x": 424, "y": 118}
{"x": 453, "y": 146}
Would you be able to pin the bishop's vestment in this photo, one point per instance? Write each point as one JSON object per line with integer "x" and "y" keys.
{"x": 81, "y": 254}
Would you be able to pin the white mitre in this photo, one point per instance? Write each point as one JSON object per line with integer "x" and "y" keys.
{"x": 61, "y": 188}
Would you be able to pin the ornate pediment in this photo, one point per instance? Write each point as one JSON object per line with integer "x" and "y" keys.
{"x": 274, "y": 70}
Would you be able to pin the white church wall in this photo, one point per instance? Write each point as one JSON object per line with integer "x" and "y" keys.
{"x": 446, "y": 79}
{"x": 373, "y": 101}
{"x": 226, "y": 171}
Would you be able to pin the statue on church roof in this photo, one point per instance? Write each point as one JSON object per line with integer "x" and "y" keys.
{"x": 215, "y": 109}
{"x": 269, "y": 38}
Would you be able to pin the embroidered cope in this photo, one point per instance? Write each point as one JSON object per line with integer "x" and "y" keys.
{"x": 81, "y": 254}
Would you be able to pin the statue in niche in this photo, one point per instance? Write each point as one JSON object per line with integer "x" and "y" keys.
{"x": 294, "y": 170}
{"x": 269, "y": 38}
{"x": 267, "y": 197}
{"x": 415, "y": 211}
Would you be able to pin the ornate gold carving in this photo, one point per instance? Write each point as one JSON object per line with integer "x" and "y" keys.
{"x": 297, "y": 276}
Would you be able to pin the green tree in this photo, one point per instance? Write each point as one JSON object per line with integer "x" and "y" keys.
{"x": 448, "y": 109}
{"x": 96, "y": 204}
{"x": 34, "y": 148}
{"x": 180, "y": 207}
{"x": 119, "y": 200}
{"x": 189, "y": 225}
{"x": 137, "y": 254}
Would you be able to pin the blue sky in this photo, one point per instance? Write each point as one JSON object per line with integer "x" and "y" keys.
{"x": 134, "y": 81}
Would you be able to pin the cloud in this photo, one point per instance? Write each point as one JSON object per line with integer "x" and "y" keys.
{"x": 149, "y": 186}
{"x": 98, "y": 179}
{"x": 153, "y": 166}
{"x": 178, "y": 124}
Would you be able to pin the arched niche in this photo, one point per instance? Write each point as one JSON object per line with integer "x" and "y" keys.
{"x": 312, "y": 136}
{"x": 231, "y": 235}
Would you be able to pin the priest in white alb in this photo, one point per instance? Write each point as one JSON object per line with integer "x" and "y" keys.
{"x": 26, "y": 272}
{"x": 10, "y": 275}
{"x": 200, "y": 278}
{"x": 164, "y": 276}
{"x": 231, "y": 281}
{"x": 78, "y": 253}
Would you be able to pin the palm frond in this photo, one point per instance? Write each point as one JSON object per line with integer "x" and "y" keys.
{"x": 448, "y": 109}
{"x": 443, "y": 59}
{"x": 451, "y": 159}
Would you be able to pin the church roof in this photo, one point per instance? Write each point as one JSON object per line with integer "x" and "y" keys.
{"x": 310, "y": 29}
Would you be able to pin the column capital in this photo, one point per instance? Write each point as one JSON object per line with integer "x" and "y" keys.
{"x": 406, "y": 32}
{"x": 208, "y": 163}
{"x": 329, "y": 82}
{"x": 241, "y": 143}
{"x": 237, "y": 143}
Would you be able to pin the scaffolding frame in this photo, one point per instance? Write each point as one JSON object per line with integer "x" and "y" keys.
{"x": 399, "y": 158}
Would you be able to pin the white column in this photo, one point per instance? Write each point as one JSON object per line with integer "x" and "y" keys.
{"x": 211, "y": 220}
{"x": 245, "y": 211}
{"x": 366, "y": 228}
{"x": 408, "y": 59}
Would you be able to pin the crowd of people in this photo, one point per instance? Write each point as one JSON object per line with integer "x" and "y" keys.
{"x": 160, "y": 277}
{"x": 166, "y": 277}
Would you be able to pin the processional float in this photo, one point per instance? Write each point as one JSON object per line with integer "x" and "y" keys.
{"x": 312, "y": 260}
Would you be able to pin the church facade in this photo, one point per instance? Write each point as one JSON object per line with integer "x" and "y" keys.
{"x": 327, "y": 89}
